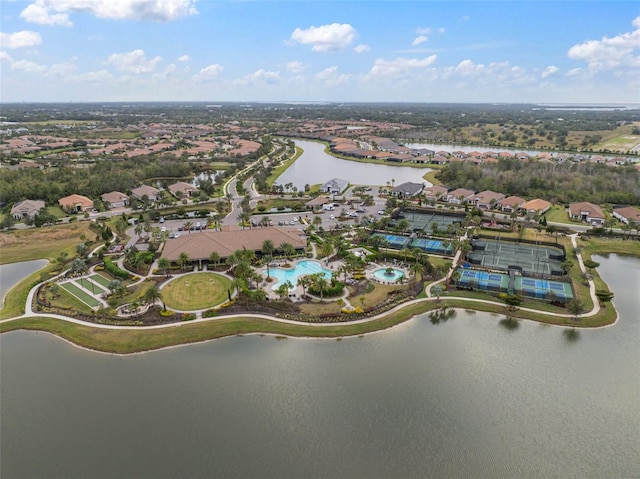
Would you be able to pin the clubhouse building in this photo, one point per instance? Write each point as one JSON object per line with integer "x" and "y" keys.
{"x": 200, "y": 244}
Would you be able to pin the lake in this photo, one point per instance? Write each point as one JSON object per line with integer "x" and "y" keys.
{"x": 12, "y": 273}
{"x": 315, "y": 166}
{"x": 472, "y": 396}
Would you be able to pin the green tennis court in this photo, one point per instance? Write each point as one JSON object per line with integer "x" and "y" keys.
{"x": 532, "y": 258}
{"x": 90, "y": 285}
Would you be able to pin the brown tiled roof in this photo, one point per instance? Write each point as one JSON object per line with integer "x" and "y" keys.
{"x": 536, "y": 205}
{"x": 594, "y": 211}
{"x": 200, "y": 244}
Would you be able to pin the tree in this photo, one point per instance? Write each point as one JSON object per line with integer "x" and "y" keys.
{"x": 82, "y": 250}
{"x": 214, "y": 257}
{"x": 267, "y": 258}
{"x": 283, "y": 289}
{"x": 319, "y": 281}
{"x": 267, "y": 247}
{"x": 79, "y": 266}
{"x": 575, "y": 307}
{"x": 116, "y": 287}
{"x": 164, "y": 264}
{"x": 186, "y": 226}
{"x": 152, "y": 295}
{"x": 183, "y": 260}
{"x": 604, "y": 296}
{"x": 513, "y": 301}
{"x": 287, "y": 249}
{"x": 304, "y": 281}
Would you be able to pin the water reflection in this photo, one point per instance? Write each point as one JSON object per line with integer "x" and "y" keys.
{"x": 509, "y": 323}
{"x": 442, "y": 315}
{"x": 571, "y": 335}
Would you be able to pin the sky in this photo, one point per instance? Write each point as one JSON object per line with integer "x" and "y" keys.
{"x": 313, "y": 51}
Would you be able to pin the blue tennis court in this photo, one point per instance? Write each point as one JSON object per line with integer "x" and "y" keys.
{"x": 543, "y": 289}
{"x": 394, "y": 241}
{"x": 483, "y": 280}
{"x": 431, "y": 246}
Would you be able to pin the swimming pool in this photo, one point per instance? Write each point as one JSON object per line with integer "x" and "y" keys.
{"x": 301, "y": 269}
{"x": 392, "y": 276}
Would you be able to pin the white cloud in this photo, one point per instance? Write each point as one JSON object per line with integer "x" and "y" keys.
{"x": 27, "y": 66}
{"x": 55, "y": 12}
{"x": 184, "y": 58}
{"x": 468, "y": 68}
{"x": 259, "y": 77}
{"x": 610, "y": 53}
{"x": 22, "y": 39}
{"x": 295, "y": 67}
{"x": 5, "y": 57}
{"x": 99, "y": 76}
{"x": 424, "y": 31}
{"x": 574, "y": 72}
{"x": 550, "y": 70}
{"x": 441, "y": 30}
{"x": 361, "y": 48}
{"x": 399, "y": 66}
{"x": 62, "y": 69}
{"x": 37, "y": 13}
{"x": 133, "y": 62}
{"x": 325, "y": 38}
{"x": 331, "y": 78}
{"x": 209, "y": 72}
{"x": 419, "y": 40}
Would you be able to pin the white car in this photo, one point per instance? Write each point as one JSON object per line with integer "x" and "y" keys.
{"x": 332, "y": 217}
{"x": 163, "y": 229}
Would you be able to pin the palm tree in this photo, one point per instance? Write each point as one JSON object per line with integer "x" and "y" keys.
{"x": 187, "y": 226}
{"x": 287, "y": 249}
{"x": 267, "y": 260}
{"x": 164, "y": 264}
{"x": 153, "y": 294}
{"x": 183, "y": 260}
{"x": 304, "y": 281}
{"x": 326, "y": 248}
{"x": 214, "y": 257}
{"x": 267, "y": 247}
{"x": 320, "y": 282}
{"x": 283, "y": 289}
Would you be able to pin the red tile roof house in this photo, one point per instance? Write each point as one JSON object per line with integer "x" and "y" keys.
{"x": 627, "y": 214}
{"x": 486, "y": 199}
{"x": 115, "y": 199}
{"x": 76, "y": 203}
{"x": 26, "y": 208}
{"x": 182, "y": 189}
{"x": 151, "y": 192}
{"x": 458, "y": 196}
{"x": 585, "y": 211}
{"x": 511, "y": 204}
{"x": 536, "y": 207}
{"x": 434, "y": 192}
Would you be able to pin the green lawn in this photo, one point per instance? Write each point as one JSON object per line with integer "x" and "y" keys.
{"x": 192, "y": 292}
{"x": 81, "y": 295}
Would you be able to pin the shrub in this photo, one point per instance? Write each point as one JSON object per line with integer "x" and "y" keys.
{"x": 166, "y": 313}
{"x": 187, "y": 317}
{"x": 114, "y": 270}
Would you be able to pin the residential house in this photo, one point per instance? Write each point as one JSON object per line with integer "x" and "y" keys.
{"x": 75, "y": 203}
{"x": 26, "y": 209}
{"x": 334, "y": 186}
{"x": 182, "y": 189}
{"x": 148, "y": 191}
{"x": 511, "y": 204}
{"x": 585, "y": 211}
{"x": 434, "y": 192}
{"x": 536, "y": 207}
{"x": 115, "y": 199}
{"x": 485, "y": 200}
{"x": 458, "y": 196}
{"x": 407, "y": 190}
{"x": 627, "y": 214}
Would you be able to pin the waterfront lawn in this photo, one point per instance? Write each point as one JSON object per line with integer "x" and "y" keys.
{"x": 42, "y": 243}
{"x": 282, "y": 167}
{"x": 192, "y": 292}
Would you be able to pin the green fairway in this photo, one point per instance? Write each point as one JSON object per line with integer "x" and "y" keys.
{"x": 81, "y": 295}
{"x": 192, "y": 292}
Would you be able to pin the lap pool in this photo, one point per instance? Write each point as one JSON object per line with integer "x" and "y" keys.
{"x": 302, "y": 268}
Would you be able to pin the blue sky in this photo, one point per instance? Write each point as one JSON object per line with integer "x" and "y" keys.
{"x": 417, "y": 51}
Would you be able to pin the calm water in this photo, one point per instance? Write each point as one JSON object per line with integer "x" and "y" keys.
{"x": 12, "y": 273}
{"x": 472, "y": 396}
{"x": 315, "y": 166}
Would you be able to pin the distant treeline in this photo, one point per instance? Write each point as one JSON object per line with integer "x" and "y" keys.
{"x": 559, "y": 183}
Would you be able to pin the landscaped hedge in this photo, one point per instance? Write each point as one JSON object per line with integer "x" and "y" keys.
{"x": 114, "y": 270}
